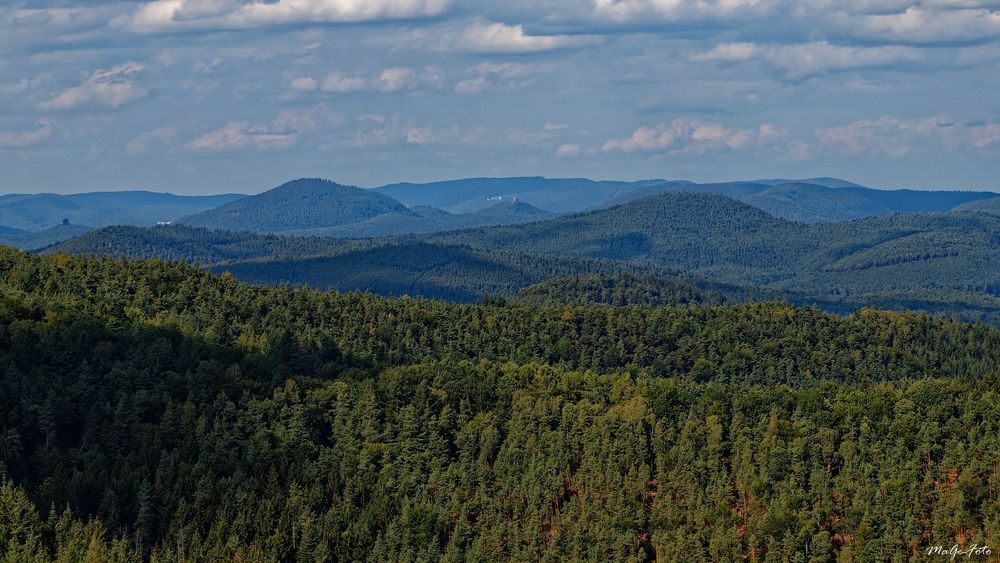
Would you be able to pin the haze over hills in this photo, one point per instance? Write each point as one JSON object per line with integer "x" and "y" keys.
{"x": 810, "y": 200}
{"x": 34, "y": 212}
{"x": 36, "y": 240}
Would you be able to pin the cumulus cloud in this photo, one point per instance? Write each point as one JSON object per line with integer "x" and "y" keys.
{"x": 151, "y": 141}
{"x": 963, "y": 22}
{"x": 283, "y": 132}
{"x": 568, "y": 150}
{"x": 167, "y": 15}
{"x": 396, "y": 79}
{"x": 807, "y": 59}
{"x": 494, "y": 76}
{"x": 19, "y": 139}
{"x": 304, "y": 84}
{"x": 238, "y": 135}
{"x": 380, "y": 131}
{"x": 108, "y": 88}
{"x": 487, "y": 37}
{"x": 691, "y": 135}
{"x": 338, "y": 82}
{"x": 890, "y": 136}
{"x": 630, "y": 11}
{"x": 389, "y": 80}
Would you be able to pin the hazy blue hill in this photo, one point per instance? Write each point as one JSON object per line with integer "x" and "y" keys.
{"x": 297, "y": 205}
{"x": 425, "y": 219}
{"x": 504, "y": 213}
{"x": 919, "y": 201}
{"x": 10, "y": 230}
{"x": 986, "y": 205}
{"x": 812, "y": 203}
{"x": 733, "y": 190}
{"x": 559, "y": 195}
{"x": 98, "y": 209}
{"x": 35, "y": 240}
{"x": 822, "y": 199}
{"x": 795, "y": 201}
{"x": 825, "y": 181}
{"x": 451, "y": 192}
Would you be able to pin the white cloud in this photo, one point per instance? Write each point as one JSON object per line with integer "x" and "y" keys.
{"x": 238, "y": 135}
{"x": 109, "y": 88}
{"x": 807, "y": 59}
{"x": 632, "y": 11}
{"x": 382, "y": 131}
{"x": 304, "y": 84}
{"x": 166, "y": 15}
{"x": 284, "y": 131}
{"x": 20, "y": 139}
{"x": 396, "y": 79}
{"x": 897, "y": 136}
{"x": 494, "y": 76}
{"x": 919, "y": 24}
{"x": 691, "y": 135}
{"x": 25, "y": 85}
{"x": 338, "y": 82}
{"x": 729, "y": 52}
{"x": 487, "y": 37}
{"x": 150, "y": 141}
{"x": 568, "y": 150}
{"x": 389, "y": 80}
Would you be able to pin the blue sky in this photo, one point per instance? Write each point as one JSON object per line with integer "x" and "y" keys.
{"x": 207, "y": 96}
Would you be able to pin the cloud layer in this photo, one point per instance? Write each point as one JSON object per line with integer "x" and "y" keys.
{"x": 191, "y": 93}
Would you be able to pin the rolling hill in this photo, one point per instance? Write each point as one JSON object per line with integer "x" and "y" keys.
{"x": 37, "y": 240}
{"x": 827, "y": 202}
{"x": 423, "y": 219}
{"x": 308, "y": 203}
{"x": 989, "y": 205}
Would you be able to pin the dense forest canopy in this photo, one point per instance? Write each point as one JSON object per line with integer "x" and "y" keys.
{"x": 153, "y": 410}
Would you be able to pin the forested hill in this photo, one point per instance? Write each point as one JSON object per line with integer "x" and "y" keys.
{"x": 918, "y": 258}
{"x": 943, "y": 263}
{"x": 616, "y": 291}
{"x": 300, "y": 204}
{"x": 152, "y": 411}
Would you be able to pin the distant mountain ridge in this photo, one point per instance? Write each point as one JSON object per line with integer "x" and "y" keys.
{"x": 32, "y": 212}
{"x": 812, "y": 200}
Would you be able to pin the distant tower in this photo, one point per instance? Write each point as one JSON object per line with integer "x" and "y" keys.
{"x": 65, "y": 221}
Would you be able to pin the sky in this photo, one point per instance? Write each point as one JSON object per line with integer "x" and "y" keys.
{"x": 212, "y": 96}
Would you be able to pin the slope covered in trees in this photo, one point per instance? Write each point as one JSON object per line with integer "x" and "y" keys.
{"x": 954, "y": 255}
{"x": 937, "y": 263}
{"x": 617, "y": 291}
{"x": 306, "y": 203}
{"x": 168, "y": 413}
